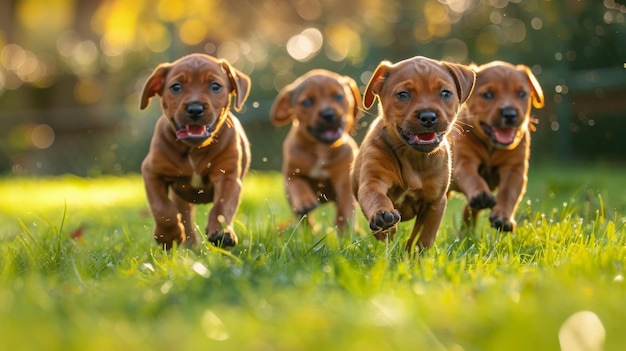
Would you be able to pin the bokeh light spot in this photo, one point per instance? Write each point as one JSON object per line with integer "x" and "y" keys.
{"x": 515, "y": 31}
{"x": 343, "y": 42}
{"x": 44, "y": 16}
{"x": 42, "y": 136}
{"x": 309, "y": 10}
{"x": 156, "y": 37}
{"x": 193, "y": 31}
{"x": 229, "y": 51}
{"x": 305, "y": 45}
{"x": 12, "y": 56}
{"x": 171, "y": 10}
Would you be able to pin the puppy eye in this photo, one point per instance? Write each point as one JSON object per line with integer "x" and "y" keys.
{"x": 307, "y": 102}
{"x": 216, "y": 87}
{"x": 339, "y": 97}
{"x": 176, "y": 88}
{"x": 446, "y": 94}
{"x": 403, "y": 96}
{"x": 522, "y": 94}
{"x": 488, "y": 95}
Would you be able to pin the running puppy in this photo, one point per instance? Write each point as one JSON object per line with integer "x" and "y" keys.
{"x": 402, "y": 170}
{"x": 318, "y": 152}
{"x": 493, "y": 152}
{"x": 199, "y": 152}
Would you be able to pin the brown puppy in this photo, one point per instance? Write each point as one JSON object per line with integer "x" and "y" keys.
{"x": 403, "y": 168}
{"x": 493, "y": 153}
{"x": 318, "y": 151}
{"x": 199, "y": 152}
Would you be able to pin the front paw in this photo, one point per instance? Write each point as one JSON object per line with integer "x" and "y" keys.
{"x": 223, "y": 238}
{"x": 166, "y": 234}
{"x": 502, "y": 223}
{"x": 384, "y": 219}
{"x": 483, "y": 199}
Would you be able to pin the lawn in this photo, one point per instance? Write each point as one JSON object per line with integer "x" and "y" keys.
{"x": 79, "y": 270}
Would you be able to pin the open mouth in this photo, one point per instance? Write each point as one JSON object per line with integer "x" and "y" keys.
{"x": 420, "y": 139}
{"x": 194, "y": 131}
{"x": 500, "y": 135}
{"x": 327, "y": 135}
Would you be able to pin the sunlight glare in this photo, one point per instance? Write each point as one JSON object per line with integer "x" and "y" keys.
{"x": 305, "y": 45}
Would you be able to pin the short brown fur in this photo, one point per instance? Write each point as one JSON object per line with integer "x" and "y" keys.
{"x": 318, "y": 151}
{"x": 493, "y": 147}
{"x": 199, "y": 152}
{"x": 402, "y": 170}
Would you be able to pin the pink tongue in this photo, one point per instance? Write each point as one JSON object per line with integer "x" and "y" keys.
{"x": 504, "y": 135}
{"x": 426, "y": 136}
{"x": 196, "y": 129}
{"x": 332, "y": 133}
{"x": 190, "y": 131}
{"x": 423, "y": 138}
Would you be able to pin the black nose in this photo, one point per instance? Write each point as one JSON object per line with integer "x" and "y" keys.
{"x": 195, "y": 110}
{"x": 328, "y": 114}
{"x": 509, "y": 114}
{"x": 427, "y": 118}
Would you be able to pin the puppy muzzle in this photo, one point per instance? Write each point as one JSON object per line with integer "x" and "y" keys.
{"x": 194, "y": 133}
{"x": 197, "y": 133}
{"x": 504, "y": 133}
{"x": 427, "y": 135}
{"x": 426, "y": 141}
{"x": 328, "y": 128}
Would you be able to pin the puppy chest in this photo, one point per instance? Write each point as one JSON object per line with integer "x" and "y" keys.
{"x": 319, "y": 170}
{"x": 417, "y": 191}
{"x": 490, "y": 174}
{"x": 400, "y": 196}
{"x": 191, "y": 193}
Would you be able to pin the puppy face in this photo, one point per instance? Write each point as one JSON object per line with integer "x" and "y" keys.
{"x": 420, "y": 99}
{"x": 322, "y": 105}
{"x": 500, "y": 105}
{"x": 195, "y": 95}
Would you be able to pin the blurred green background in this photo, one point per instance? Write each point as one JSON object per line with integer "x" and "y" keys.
{"x": 71, "y": 70}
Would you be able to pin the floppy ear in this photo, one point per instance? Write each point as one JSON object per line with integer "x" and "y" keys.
{"x": 240, "y": 83}
{"x": 537, "y": 92}
{"x": 280, "y": 114}
{"x": 356, "y": 94}
{"x": 376, "y": 83}
{"x": 464, "y": 78}
{"x": 154, "y": 84}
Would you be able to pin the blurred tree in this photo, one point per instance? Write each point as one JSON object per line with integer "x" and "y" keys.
{"x": 70, "y": 70}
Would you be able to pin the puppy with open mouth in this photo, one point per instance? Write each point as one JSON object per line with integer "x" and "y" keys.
{"x": 318, "y": 151}
{"x": 492, "y": 150}
{"x": 199, "y": 152}
{"x": 402, "y": 170}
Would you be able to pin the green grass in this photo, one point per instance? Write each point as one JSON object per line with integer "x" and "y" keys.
{"x": 290, "y": 289}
